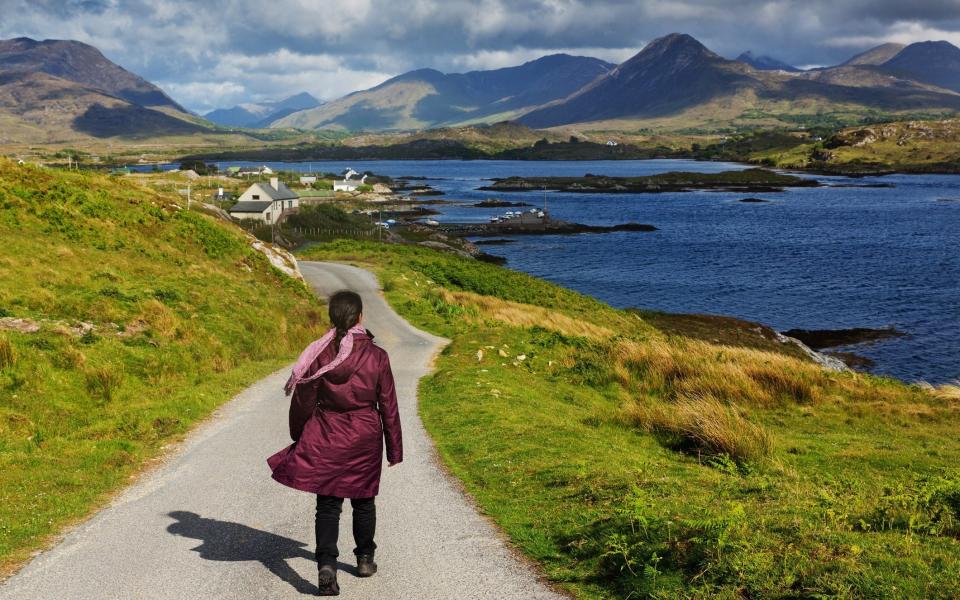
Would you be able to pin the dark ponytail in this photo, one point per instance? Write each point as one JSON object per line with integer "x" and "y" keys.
{"x": 344, "y": 308}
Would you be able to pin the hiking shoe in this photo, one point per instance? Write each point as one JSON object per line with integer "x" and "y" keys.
{"x": 365, "y": 565}
{"x": 327, "y": 583}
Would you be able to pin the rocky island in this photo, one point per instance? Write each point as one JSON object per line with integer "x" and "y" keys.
{"x": 748, "y": 180}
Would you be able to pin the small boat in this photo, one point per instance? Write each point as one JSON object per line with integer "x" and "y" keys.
{"x": 540, "y": 214}
{"x": 494, "y": 219}
{"x": 431, "y": 222}
{"x": 391, "y": 221}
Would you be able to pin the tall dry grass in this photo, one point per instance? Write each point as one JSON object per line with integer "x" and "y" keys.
{"x": 524, "y": 315}
{"x": 682, "y": 368}
{"x": 704, "y": 425}
{"x": 7, "y": 355}
{"x": 947, "y": 391}
{"x": 103, "y": 382}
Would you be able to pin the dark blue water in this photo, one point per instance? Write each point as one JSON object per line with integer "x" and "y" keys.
{"x": 815, "y": 258}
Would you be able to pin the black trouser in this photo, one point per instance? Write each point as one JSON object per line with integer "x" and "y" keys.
{"x": 328, "y": 527}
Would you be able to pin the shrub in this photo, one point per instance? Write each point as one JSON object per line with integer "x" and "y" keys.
{"x": 929, "y": 507}
{"x": 103, "y": 382}
{"x": 388, "y": 283}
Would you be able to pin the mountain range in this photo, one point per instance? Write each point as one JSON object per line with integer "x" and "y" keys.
{"x": 676, "y": 74}
{"x": 674, "y": 81}
{"x": 428, "y": 98}
{"x": 261, "y": 114}
{"x": 57, "y": 90}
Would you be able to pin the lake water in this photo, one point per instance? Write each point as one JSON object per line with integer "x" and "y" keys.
{"x": 814, "y": 258}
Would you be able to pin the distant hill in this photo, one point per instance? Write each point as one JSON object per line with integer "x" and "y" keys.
{"x": 83, "y": 64}
{"x": 671, "y": 73}
{"x": 261, "y": 114}
{"x": 428, "y": 98}
{"x": 936, "y": 63}
{"x": 58, "y": 91}
{"x": 677, "y": 78}
{"x": 875, "y": 56}
{"x": 765, "y": 63}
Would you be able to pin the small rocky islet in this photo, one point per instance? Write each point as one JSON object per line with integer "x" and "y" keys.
{"x": 747, "y": 181}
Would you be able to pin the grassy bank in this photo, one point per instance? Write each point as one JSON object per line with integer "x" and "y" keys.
{"x": 633, "y": 456}
{"x": 133, "y": 319}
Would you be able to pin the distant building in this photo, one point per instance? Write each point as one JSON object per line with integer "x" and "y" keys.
{"x": 221, "y": 196}
{"x": 265, "y": 202}
{"x": 308, "y": 179}
{"x": 248, "y": 171}
{"x": 346, "y": 184}
{"x": 612, "y": 143}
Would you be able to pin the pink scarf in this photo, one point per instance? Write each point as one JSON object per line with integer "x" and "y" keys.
{"x": 308, "y": 356}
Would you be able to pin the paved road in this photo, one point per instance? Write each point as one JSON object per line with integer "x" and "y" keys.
{"x": 210, "y": 523}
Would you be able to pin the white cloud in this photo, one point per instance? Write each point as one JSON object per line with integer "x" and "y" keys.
{"x": 497, "y": 59}
{"x": 903, "y": 32}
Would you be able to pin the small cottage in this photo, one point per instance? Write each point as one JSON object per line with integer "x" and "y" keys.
{"x": 250, "y": 171}
{"x": 266, "y": 202}
{"x": 347, "y": 184}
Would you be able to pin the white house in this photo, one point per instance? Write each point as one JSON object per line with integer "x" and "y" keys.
{"x": 265, "y": 202}
{"x": 308, "y": 179}
{"x": 347, "y": 184}
{"x": 249, "y": 171}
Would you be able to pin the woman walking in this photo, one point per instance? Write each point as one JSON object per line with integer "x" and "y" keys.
{"x": 343, "y": 409}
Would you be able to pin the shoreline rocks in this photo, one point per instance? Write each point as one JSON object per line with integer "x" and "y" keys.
{"x": 550, "y": 227}
{"x": 497, "y": 203}
{"x": 832, "y": 338}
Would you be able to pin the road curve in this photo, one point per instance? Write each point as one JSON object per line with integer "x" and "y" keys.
{"x": 210, "y": 523}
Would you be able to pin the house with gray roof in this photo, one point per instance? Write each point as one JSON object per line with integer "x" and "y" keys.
{"x": 266, "y": 202}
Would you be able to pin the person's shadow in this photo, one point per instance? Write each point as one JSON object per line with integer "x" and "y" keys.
{"x": 226, "y": 541}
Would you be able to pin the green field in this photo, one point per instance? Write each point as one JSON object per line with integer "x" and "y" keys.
{"x": 180, "y": 315}
{"x": 630, "y": 462}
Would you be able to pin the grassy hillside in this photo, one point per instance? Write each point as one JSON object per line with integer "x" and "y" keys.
{"x": 147, "y": 317}
{"x": 632, "y": 461}
{"x": 909, "y": 146}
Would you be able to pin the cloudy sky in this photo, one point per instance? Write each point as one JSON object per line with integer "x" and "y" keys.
{"x": 216, "y": 53}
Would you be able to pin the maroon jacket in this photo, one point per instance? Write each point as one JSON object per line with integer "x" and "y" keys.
{"x": 339, "y": 423}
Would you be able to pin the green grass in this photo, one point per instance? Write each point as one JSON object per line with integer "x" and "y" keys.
{"x": 632, "y": 460}
{"x": 184, "y": 315}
